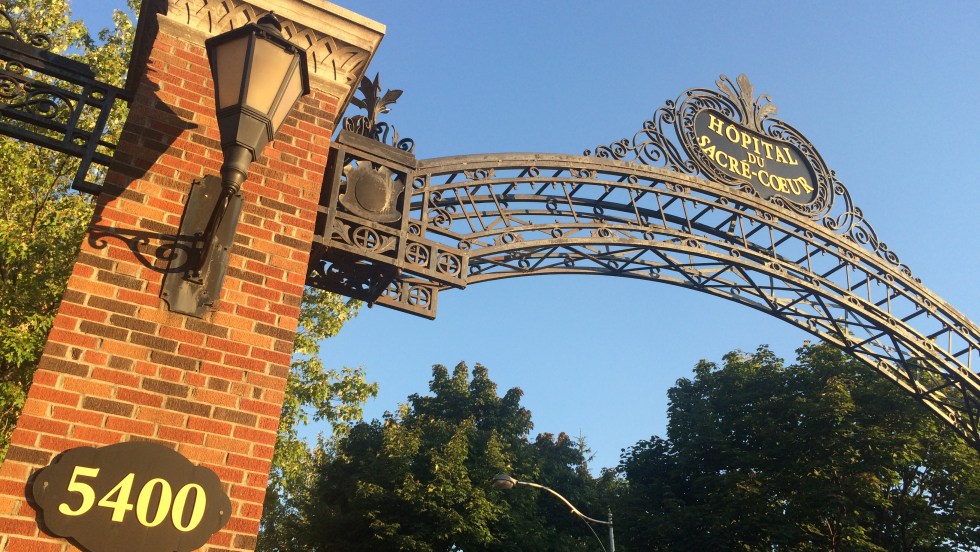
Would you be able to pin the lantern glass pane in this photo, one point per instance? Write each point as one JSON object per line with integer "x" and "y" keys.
{"x": 269, "y": 65}
{"x": 294, "y": 89}
{"x": 229, "y": 65}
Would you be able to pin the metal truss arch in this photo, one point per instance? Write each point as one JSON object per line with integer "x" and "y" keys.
{"x": 478, "y": 218}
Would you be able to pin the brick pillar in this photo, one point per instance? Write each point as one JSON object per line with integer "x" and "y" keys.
{"x": 118, "y": 366}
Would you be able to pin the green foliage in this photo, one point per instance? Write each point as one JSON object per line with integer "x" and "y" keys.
{"x": 332, "y": 395}
{"x": 41, "y": 220}
{"x": 824, "y": 454}
{"x": 312, "y": 391}
{"x": 419, "y": 480}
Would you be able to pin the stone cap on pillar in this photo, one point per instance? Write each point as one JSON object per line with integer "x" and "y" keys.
{"x": 339, "y": 43}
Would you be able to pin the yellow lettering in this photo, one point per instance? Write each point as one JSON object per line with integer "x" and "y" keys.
{"x": 768, "y": 149}
{"x": 163, "y": 505}
{"x": 790, "y": 159}
{"x": 733, "y": 165}
{"x": 714, "y": 124}
{"x": 729, "y": 131}
{"x": 180, "y": 505}
{"x": 746, "y": 140}
{"x": 806, "y": 185}
{"x": 794, "y": 186}
{"x": 718, "y": 157}
{"x": 84, "y": 489}
{"x": 710, "y": 151}
{"x": 746, "y": 171}
{"x": 779, "y": 156}
{"x": 764, "y": 178}
{"x": 783, "y": 187}
{"x": 703, "y": 141}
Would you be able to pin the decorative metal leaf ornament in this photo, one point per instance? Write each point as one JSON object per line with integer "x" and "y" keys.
{"x": 375, "y": 104}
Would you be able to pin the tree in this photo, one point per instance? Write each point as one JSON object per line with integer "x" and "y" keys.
{"x": 42, "y": 220}
{"x": 824, "y": 454}
{"x": 420, "y": 479}
{"x": 335, "y": 396}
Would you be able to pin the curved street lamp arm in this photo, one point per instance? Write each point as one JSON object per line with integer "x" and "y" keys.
{"x": 506, "y": 482}
{"x": 567, "y": 503}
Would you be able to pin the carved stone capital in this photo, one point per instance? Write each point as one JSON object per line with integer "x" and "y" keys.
{"x": 339, "y": 43}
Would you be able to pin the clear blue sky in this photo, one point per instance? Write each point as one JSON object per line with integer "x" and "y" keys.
{"x": 887, "y": 95}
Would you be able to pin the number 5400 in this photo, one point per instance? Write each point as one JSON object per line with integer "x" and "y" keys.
{"x": 117, "y": 500}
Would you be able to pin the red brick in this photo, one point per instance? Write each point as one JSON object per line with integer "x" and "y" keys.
{"x": 225, "y": 473}
{"x": 239, "y": 492}
{"x": 87, "y": 387}
{"x": 178, "y": 435}
{"x": 79, "y": 311}
{"x": 242, "y": 525}
{"x": 126, "y": 425}
{"x": 209, "y": 426}
{"x": 96, "y": 435}
{"x": 77, "y": 416}
{"x": 40, "y": 392}
{"x": 117, "y": 377}
{"x": 33, "y": 544}
{"x": 274, "y": 357}
{"x": 60, "y": 444}
{"x": 226, "y": 345}
{"x": 43, "y": 425}
{"x": 201, "y": 353}
{"x": 249, "y": 463}
{"x": 202, "y": 454}
{"x": 246, "y": 363}
{"x": 228, "y": 444}
{"x": 256, "y": 436}
{"x": 46, "y": 378}
{"x": 58, "y": 335}
{"x": 261, "y": 407}
{"x": 160, "y": 416}
{"x": 24, "y": 436}
{"x": 182, "y": 335}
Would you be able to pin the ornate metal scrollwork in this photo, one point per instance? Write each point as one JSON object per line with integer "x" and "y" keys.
{"x": 670, "y": 140}
{"x": 376, "y": 104}
{"x": 799, "y": 251}
{"x": 54, "y": 102}
{"x": 11, "y": 31}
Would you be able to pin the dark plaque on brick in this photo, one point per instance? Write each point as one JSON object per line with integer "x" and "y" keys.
{"x": 130, "y": 496}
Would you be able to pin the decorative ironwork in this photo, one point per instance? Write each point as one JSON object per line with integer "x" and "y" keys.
{"x": 487, "y": 217}
{"x": 376, "y": 104}
{"x": 364, "y": 241}
{"x": 12, "y": 31}
{"x": 55, "y": 102}
{"x": 669, "y": 140}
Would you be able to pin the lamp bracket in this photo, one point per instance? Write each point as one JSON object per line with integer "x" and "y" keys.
{"x": 195, "y": 294}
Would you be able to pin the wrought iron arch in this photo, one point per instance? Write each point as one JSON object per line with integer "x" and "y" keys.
{"x": 396, "y": 231}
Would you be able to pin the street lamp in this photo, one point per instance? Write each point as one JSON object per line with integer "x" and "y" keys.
{"x": 506, "y": 483}
{"x": 258, "y": 78}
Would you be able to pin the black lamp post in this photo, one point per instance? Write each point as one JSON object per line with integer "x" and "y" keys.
{"x": 505, "y": 482}
{"x": 258, "y": 78}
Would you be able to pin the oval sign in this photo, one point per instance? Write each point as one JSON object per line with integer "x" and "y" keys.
{"x": 772, "y": 167}
{"x": 131, "y": 496}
